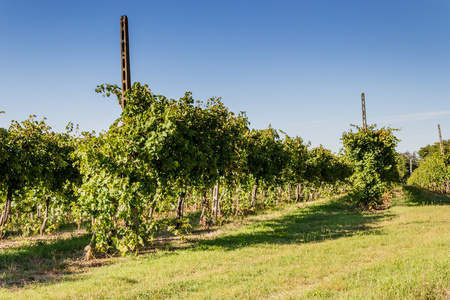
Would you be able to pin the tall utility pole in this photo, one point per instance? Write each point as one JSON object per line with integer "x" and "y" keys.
{"x": 440, "y": 140}
{"x": 125, "y": 51}
{"x": 363, "y": 103}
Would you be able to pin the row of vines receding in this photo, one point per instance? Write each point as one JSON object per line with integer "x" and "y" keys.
{"x": 163, "y": 157}
{"x": 433, "y": 173}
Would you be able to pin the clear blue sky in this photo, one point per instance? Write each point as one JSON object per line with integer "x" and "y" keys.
{"x": 297, "y": 65}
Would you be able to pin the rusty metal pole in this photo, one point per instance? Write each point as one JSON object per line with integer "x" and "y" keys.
{"x": 440, "y": 140}
{"x": 125, "y": 57}
{"x": 363, "y": 103}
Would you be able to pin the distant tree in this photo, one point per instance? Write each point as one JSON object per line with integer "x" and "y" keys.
{"x": 407, "y": 162}
{"x": 434, "y": 148}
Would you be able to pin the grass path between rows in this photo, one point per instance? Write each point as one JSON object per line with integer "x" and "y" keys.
{"x": 319, "y": 251}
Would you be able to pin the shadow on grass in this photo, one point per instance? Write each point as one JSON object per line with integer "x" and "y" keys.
{"x": 414, "y": 196}
{"x": 44, "y": 262}
{"x": 41, "y": 261}
{"x": 49, "y": 260}
{"x": 315, "y": 223}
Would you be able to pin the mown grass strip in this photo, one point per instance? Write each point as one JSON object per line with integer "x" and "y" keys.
{"x": 316, "y": 252}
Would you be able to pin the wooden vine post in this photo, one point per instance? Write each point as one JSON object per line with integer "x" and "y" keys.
{"x": 363, "y": 104}
{"x": 410, "y": 166}
{"x": 125, "y": 57}
{"x": 441, "y": 143}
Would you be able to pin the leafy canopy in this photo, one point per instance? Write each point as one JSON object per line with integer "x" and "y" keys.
{"x": 372, "y": 155}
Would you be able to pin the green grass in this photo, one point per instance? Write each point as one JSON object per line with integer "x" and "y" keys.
{"x": 322, "y": 251}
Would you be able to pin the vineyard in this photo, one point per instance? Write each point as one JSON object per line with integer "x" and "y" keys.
{"x": 168, "y": 168}
{"x": 316, "y": 172}
{"x": 163, "y": 157}
{"x": 433, "y": 173}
